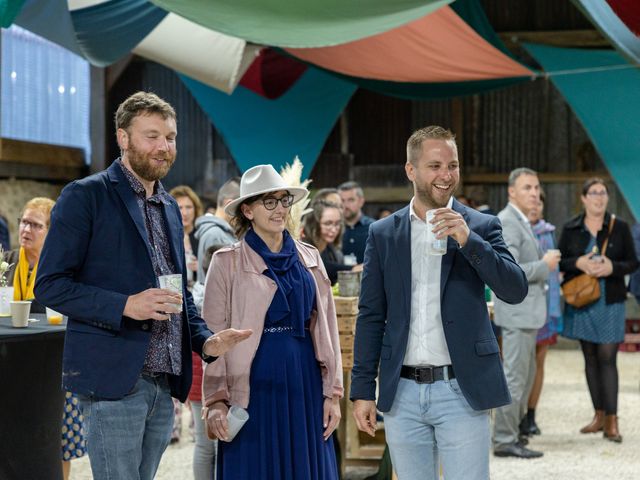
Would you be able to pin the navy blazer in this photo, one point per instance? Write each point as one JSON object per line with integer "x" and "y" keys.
{"x": 97, "y": 254}
{"x": 382, "y": 327}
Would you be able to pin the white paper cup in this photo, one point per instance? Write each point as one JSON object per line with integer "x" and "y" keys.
{"x": 20, "y": 310}
{"x": 172, "y": 282}
{"x": 236, "y": 418}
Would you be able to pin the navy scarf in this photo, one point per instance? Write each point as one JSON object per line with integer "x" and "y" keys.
{"x": 296, "y": 290}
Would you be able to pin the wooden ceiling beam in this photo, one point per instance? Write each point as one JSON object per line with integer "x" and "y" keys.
{"x": 557, "y": 38}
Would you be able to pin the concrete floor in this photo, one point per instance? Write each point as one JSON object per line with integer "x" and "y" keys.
{"x": 564, "y": 408}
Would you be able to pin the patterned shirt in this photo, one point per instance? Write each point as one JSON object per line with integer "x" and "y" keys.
{"x": 164, "y": 354}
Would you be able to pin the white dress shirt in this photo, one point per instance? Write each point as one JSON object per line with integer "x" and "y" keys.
{"x": 426, "y": 344}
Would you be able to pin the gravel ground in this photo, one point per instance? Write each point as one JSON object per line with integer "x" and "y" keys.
{"x": 564, "y": 408}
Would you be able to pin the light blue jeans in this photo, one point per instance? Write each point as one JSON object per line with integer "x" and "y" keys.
{"x": 433, "y": 423}
{"x": 127, "y": 437}
{"x": 205, "y": 450}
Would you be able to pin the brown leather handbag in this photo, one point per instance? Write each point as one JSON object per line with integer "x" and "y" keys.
{"x": 583, "y": 290}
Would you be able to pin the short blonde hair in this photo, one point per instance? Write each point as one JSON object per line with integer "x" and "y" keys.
{"x": 43, "y": 205}
{"x": 432, "y": 132}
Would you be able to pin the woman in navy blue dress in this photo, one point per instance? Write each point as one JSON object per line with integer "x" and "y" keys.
{"x": 289, "y": 377}
{"x": 599, "y": 326}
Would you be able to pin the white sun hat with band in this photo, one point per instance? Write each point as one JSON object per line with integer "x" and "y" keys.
{"x": 259, "y": 180}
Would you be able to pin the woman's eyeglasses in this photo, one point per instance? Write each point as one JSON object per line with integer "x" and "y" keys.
{"x": 270, "y": 203}
{"x": 331, "y": 224}
{"x": 36, "y": 227}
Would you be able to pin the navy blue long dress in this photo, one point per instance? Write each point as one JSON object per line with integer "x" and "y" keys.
{"x": 282, "y": 440}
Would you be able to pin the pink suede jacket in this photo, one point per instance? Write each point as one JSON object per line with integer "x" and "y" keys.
{"x": 237, "y": 295}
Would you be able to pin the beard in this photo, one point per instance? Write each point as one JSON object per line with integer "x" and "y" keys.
{"x": 426, "y": 198}
{"x": 349, "y": 214}
{"x": 142, "y": 165}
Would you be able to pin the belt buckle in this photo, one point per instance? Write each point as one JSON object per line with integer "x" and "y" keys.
{"x": 421, "y": 376}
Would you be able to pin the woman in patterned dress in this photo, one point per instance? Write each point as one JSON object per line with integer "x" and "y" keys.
{"x": 33, "y": 227}
{"x": 599, "y": 326}
{"x": 548, "y": 333}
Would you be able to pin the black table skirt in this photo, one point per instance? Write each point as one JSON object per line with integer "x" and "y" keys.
{"x": 31, "y": 401}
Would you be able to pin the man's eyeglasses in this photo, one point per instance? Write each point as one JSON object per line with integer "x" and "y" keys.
{"x": 36, "y": 227}
{"x": 270, "y": 203}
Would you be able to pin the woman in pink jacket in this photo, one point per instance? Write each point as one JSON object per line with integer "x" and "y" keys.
{"x": 288, "y": 374}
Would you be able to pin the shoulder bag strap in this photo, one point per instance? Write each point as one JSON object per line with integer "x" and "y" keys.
{"x": 606, "y": 242}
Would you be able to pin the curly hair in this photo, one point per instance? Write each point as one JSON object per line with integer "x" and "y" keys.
{"x": 242, "y": 224}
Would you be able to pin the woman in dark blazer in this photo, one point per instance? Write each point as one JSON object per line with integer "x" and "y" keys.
{"x": 599, "y": 326}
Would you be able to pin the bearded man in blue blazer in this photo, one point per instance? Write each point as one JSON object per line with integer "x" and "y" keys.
{"x": 128, "y": 343}
{"x": 423, "y": 328}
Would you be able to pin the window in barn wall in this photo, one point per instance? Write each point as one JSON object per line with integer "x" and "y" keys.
{"x": 45, "y": 91}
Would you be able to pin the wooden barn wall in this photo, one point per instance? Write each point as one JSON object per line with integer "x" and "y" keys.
{"x": 534, "y": 15}
{"x": 527, "y": 125}
{"x": 203, "y": 160}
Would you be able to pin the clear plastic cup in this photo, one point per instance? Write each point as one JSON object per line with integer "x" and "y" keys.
{"x": 435, "y": 246}
{"x": 172, "y": 282}
{"x": 53, "y": 317}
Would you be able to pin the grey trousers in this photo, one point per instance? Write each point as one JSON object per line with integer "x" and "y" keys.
{"x": 519, "y": 355}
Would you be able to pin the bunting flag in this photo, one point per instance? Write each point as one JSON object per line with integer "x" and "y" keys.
{"x": 629, "y": 13}
{"x": 8, "y": 11}
{"x": 272, "y": 74}
{"x": 464, "y": 21}
{"x": 439, "y": 47}
{"x": 611, "y": 122}
{"x": 604, "y": 17}
{"x": 103, "y": 32}
{"x": 258, "y": 130}
{"x": 301, "y": 23}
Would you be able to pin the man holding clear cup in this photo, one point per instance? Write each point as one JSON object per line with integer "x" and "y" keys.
{"x": 423, "y": 326}
{"x": 128, "y": 343}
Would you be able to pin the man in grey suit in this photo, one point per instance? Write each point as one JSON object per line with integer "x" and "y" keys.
{"x": 520, "y": 323}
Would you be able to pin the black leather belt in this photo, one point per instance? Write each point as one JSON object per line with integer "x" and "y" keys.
{"x": 427, "y": 374}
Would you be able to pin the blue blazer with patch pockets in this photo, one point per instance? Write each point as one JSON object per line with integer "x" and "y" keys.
{"x": 382, "y": 327}
{"x": 95, "y": 256}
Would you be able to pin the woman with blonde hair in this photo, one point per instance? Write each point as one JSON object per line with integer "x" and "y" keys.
{"x": 33, "y": 226}
{"x": 288, "y": 375}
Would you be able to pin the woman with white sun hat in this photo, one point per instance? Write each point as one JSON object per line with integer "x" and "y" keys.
{"x": 288, "y": 374}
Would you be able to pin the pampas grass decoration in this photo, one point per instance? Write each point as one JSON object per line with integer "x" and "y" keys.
{"x": 292, "y": 175}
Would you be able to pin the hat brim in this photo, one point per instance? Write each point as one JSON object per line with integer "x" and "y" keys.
{"x": 299, "y": 193}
